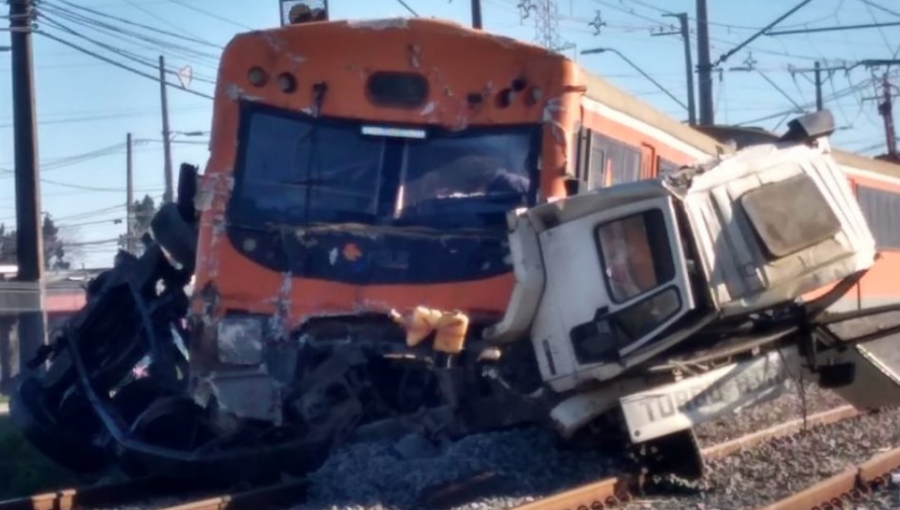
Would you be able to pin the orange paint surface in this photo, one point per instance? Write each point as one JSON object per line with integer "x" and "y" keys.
{"x": 458, "y": 63}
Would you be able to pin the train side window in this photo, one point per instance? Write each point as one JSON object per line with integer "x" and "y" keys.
{"x": 665, "y": 167}
{"x": 622, "y": 161}
{"x": 882, "y": 211}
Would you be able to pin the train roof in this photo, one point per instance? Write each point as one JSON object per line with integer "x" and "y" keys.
{"x": 602, "y": 91}
{"x": 711, "y": 139}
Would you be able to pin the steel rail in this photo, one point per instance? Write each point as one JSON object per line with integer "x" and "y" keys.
{"x": 789, "y": 428}
{"x": 601, "y": 494}
{"x": 848, "y": 486}
{"x": 269, "y": 497}
{"x": 92, "y": 496}
{"x": 611, "y": 492}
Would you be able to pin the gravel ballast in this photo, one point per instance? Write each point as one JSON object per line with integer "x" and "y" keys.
{"x": 527, "y": 463}
{"x": 786, "y": 407}
{"x": 778, "y": 468}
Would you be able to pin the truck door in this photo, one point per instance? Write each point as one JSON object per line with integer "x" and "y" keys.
{"x": 615, "y": 279}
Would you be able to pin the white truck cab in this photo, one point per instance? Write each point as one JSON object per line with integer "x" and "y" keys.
{"x": 612, "y": 278}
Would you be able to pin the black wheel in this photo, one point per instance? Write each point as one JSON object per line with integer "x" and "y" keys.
{"x": 176, "y": 423}
{"x": 175, "y": 235}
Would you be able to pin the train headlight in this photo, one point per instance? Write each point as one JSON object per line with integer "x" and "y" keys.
{"x": 240, "y": 340}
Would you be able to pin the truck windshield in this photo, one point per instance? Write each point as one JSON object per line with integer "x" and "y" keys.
{"x": 294, "y": 169}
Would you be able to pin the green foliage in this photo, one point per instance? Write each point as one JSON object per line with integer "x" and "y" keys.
{"x": 55, "y": 254}
{"x": 24, "y": 471}
{"x": 143, "y": 211}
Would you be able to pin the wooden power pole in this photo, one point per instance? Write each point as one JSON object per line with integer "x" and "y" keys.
{"x": 476, "y": 14}
{"x": 167, "y": 142}
{"x": 130, "y": 244}
{"x": 704, "y": 66}
{"x": 29, "y": 245}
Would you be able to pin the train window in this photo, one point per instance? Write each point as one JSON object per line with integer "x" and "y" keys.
{"x": 622, "y": 161}
{"x": 882, "y": 211}
{"x": 665, "y": 167}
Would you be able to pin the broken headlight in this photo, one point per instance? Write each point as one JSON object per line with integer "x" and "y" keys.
{"x": 240, "y": 339}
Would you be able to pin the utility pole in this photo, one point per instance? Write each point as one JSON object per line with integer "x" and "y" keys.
{"x": 167, "y": 142}
{"x": 818, "y": 71}
{"x": 129, "y": 197}
{"x": 30, "y": 253}
{"x": 885, "y": 108}
{"x": 688, "y": 63}
{"x": 476, "y": 14}
{"x": 704, "y": 66}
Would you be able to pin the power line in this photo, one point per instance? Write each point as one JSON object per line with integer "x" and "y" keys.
{"x": 114, "y": 221}
{"x": 140, "y": 25}
{"x": 124, "y": 53}
{"x": 210, "y": 14}
{"x": 408, "y": 8}
{"x": 120, "y": 34}
{"x": 118, "y": 64}
{"x": 89, "y": 188}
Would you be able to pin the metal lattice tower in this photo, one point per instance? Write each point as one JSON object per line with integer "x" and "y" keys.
{"x": 546, "y": 21}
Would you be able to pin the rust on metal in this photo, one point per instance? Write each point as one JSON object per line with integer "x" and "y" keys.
{"x": 606, "y": 493}
{"x": 99, "y": 495}
{"x": 820, "y": 495}
{"x": 874, "y": 469}
{"x": 785, "y": 429}
{"x": 848, "y": 485}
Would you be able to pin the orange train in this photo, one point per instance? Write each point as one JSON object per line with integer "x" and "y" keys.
{"x": 357, "y": 170}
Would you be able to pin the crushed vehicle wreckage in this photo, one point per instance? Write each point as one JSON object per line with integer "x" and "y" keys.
{"x": 639, "y": 311}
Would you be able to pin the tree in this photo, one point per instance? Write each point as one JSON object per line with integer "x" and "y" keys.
{"x": 55, "y": 254}
{"x": 7, "y": 245}
{"x": 54, "y": 247}
{"x": 142, "y": 211}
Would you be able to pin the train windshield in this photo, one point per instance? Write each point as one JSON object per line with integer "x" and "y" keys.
{"x": 299, "y": 170}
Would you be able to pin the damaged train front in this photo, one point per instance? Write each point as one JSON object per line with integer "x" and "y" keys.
{"x": 348, "y": 246}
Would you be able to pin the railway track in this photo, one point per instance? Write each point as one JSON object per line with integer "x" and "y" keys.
{"x": 614, "y": 491}
{"x": 150, "y": 494}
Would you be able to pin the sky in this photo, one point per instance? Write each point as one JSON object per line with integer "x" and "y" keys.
{"x": 86, "y": 106}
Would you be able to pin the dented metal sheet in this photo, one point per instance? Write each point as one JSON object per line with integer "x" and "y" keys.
{"x": 383, "y": 24}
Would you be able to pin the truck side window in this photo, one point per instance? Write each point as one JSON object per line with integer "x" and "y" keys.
{"x": 638, "y": 266}
{"x": 636, "y": 254}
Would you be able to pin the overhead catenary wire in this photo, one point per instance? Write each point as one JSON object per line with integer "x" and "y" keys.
{"x": 408, "y": 8}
